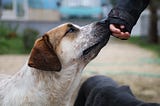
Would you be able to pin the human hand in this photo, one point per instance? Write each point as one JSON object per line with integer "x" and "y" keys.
{"x": 117, "y": 31}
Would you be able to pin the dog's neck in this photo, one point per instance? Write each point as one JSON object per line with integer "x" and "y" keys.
{"x": 58, "y": 86}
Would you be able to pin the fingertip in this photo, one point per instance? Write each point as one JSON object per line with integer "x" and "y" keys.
{"x": 127, "y": 33}
{"x": 122, "y": 26}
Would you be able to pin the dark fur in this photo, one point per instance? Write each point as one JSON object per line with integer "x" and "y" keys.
{"x": 43, "y": 56}
{"x": 103, "y": 91}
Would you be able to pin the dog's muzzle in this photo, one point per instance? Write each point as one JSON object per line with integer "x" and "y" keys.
{"x": 101, "y": 31}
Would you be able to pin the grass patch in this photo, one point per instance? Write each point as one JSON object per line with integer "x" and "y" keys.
{"x": 12, "y": 46}
{"x": 142, "y": 42}
{"x": 12, "y": 43}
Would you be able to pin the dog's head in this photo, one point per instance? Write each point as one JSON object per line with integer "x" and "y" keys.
{"x": 68, "y": 44}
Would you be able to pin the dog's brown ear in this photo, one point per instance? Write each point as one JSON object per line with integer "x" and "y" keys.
{"x": 43, "y": 56}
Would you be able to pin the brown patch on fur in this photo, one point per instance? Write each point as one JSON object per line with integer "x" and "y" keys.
{"x": 43, "y": 56}
{"x": 56, "y": 34}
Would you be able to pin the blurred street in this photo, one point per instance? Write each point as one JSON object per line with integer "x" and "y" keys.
{"x": 124, "y": 62}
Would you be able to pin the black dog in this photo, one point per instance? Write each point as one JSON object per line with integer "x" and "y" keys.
{"x": 103, "y": 91}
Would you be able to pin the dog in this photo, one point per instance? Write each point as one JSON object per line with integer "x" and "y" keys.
{"x": 53, "y": 71}
{"x": 101, "y": 90}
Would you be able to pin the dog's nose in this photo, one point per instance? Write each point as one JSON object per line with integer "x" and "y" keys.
{"x": 104, "y": 24}
{"x": 102, "y": 28}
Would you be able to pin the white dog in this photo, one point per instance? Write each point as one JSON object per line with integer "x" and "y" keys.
{"x": 53, "y": 71}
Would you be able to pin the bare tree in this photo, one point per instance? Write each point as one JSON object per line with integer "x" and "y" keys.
{"x": 153, "y": 24}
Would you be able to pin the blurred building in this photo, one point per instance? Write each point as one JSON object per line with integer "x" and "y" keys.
{"x": 52, "y": 10}
{"x": 34, "y": 10}
{"x": 84, "y": 8}
{"x": 80, "y": 8}
{"x": 46, "y": 14}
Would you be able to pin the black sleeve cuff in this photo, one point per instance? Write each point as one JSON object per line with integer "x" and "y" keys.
{"x": 121, "y": 17}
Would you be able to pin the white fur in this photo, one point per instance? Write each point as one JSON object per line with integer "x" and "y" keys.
{"x": 32, "y": 87}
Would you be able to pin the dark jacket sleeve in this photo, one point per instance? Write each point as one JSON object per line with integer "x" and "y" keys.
{"x": 127, "y": 12}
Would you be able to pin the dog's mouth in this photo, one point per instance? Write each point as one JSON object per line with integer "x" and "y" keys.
{"x": 96, "y": 47}
{"x": 88, "y": 50}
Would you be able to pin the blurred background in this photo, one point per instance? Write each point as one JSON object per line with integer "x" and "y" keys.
{"x": 135, "y": 62}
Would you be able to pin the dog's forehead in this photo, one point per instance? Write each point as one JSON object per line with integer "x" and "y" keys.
{"x": 59, "y": 30}
{"x": 56, "y": 34}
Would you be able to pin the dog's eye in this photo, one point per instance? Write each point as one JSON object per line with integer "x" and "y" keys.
{"x": 70, "y": 30}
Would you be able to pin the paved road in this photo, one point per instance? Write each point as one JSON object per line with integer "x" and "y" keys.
{"x": 120, "y": 57}
{"x": 126, "y": 63}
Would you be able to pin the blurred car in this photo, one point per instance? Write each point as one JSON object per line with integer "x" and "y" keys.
{"x": 80, "y": 8}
